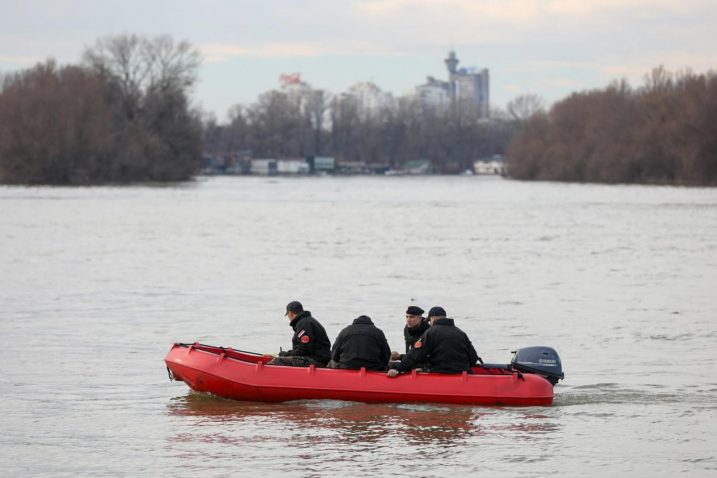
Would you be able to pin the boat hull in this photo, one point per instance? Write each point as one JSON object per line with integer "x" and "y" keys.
{"x": 245, "y": 376}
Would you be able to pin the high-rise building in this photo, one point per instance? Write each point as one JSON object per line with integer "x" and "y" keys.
{"x": 436, "y": 93}
{"x": 369, "y": 98}
{"x": 464, "y": 85}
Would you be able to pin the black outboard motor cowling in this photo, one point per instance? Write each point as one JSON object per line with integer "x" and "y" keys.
{"x": 543, "y": 361}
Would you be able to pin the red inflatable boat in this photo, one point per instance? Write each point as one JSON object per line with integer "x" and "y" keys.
{"x": 243, "y": 375}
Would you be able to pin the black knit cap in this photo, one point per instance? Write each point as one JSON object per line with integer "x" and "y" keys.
{"x": 413, "y": 310}
{"x": 437, "y": 312}
{"x": 295, "y": 307}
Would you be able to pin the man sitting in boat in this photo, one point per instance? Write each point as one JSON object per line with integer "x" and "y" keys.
{"x": 416, "y": 325}
{"x": 444, "y": 347}
{"x": 310, "y": 343}
{"x": 361, "y": 344}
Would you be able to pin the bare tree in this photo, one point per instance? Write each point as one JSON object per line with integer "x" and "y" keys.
{"x": 139, "y": 64}
{"x": 523, "y": 107}
{"x": 662, "y": 132}
{"x": 37, "y": 148}
{"x": 316, "y": 107}
{"x": 659, "y": 79}
{"x": 120, "y": 58}
{"x": 170, "y": 65}
{"x": 275, "y": 123}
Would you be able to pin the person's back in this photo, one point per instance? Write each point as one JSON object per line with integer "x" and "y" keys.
{"x": 445, "y": 347}
{"x": 361, "y": 344}
{"x": 450, "y": 349}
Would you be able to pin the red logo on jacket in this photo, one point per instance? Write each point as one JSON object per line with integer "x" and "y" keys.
{"x": 305, "y": 339}
{"x": 418, "y": 345}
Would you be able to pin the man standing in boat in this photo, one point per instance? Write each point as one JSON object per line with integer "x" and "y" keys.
{"x": 444, "y": 347}
{"x": 416, "y": 325}
{"x": 311, "y": 345}
{"x": 361, "y": 344}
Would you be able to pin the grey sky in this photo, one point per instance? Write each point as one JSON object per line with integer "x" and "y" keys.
{"x": 546, "y": 47}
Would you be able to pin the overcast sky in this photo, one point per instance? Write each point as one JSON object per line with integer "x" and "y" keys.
{"x": 545, "y": 47}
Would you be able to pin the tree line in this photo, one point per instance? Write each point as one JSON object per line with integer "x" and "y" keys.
{"x": 663, "y": 132}
{"x": 121, "y": 115}
{"x": 282, "y": 124}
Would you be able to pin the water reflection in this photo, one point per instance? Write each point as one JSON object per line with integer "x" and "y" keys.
{"x": 361, "y": 423}
{"x": 352, "y": 421}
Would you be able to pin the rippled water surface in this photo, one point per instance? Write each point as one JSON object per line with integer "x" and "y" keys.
{"x": 97, "y": 283}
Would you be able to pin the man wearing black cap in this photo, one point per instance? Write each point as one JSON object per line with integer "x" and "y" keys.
{"x": 361, "y": 344}
{"x": 415, "y": 326}
{"x": 445, "y": 347}
{"x": 310, "y": 343}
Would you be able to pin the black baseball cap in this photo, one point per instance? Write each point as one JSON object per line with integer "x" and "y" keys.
{"x": 294, "y": 306}
{"x": 437, "y": 312}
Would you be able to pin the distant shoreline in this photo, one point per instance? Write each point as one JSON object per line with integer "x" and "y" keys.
{"x": 198, "y": 179}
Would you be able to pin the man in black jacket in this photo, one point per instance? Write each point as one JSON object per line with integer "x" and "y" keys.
{"x": 361, "y": 344}
{"x": 445, "y": 347}
{"x": 416, "y": 324}
{"x": 310, "y": 343}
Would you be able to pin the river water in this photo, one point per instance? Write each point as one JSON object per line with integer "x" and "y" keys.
{"x": 97, "y": 283}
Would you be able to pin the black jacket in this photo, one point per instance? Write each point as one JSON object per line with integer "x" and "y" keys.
{"x": 411, "y": 334}
{"x": 361, "y": 344}
{"x": 310, "y": 339}
{"x": 445, "y": 348}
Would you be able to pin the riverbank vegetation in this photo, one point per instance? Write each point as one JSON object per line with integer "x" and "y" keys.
{"x": 122, "y": 115}
{"x": 663, "y": 132}
{"x": 282, "y": 124}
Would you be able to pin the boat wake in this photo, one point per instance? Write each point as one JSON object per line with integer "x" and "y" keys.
{"x": 613, "y": 393}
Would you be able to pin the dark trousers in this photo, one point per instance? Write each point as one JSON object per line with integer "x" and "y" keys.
{"x": 333, "y": 364}
{"x": 294, "y": 361}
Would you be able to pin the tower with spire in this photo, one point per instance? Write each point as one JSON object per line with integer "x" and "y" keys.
{"x": 464, "y": 86}
{"x": 451, "y": 62}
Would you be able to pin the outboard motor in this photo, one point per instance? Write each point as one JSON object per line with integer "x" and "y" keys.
{"x": 543, "y": 361}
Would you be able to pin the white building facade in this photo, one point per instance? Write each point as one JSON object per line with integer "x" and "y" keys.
{"x": 369, "y": 98}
